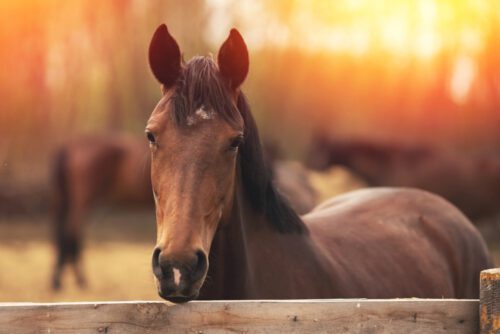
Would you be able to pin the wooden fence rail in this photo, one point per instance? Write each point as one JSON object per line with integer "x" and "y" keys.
{"x": 296, "y": 316}
{"x": 290, "y": 316}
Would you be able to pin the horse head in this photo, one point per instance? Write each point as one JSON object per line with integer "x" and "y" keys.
{"x": 195, "y": 133}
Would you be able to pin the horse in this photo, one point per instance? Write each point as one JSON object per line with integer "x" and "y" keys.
{"x": 225, "y": 232}
{"x": 436, "y": 170}
{"x": 88, "y": 169}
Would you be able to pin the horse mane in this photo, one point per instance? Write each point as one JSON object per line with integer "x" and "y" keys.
{"x": 257, "y": 179}
{"x": 201, "y": 86}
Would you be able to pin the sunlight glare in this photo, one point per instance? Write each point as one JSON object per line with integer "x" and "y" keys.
{"x": 462, "y": 78}
{"x": 421, "y": 29}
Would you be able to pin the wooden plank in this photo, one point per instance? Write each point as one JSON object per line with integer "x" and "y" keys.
{"x": 291, "y": 316}
{"x": 489, "y": 303}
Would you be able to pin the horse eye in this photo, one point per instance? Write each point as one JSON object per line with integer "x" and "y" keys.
{"x": 151, "y": 137}
{"x": 236, "y": 142}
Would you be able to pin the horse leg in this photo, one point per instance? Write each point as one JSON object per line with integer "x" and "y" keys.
{"x": 61, "y": 213}
{"x": 81, "y": 279}
{"x": 74, "y": 241}
{"x": 68, "y": 247}
{"x": 57, "y": 273}
{"x": 68, "y": 253}
{"x": 61, "y": 259}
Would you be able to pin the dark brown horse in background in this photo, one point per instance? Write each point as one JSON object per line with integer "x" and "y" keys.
{"x": 471, "y": 182}
{"x": 91, "y": 169}
{"x": 219, "y": 215}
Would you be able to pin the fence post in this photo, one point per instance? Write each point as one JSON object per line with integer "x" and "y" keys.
{"x": 489, "y": 301}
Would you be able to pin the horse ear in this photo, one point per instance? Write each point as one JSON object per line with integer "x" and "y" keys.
{"x": 233, "y": 59}
{"x": 164, "y": 57}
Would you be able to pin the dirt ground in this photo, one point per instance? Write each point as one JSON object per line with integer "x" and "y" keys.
{"x": 116, "y": 259}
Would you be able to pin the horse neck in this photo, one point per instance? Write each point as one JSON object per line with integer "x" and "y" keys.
{"x": 248, "y": 255}
{"x": 229, "y": 274}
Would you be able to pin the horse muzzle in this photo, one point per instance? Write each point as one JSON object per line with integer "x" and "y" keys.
{"x": 179, "y": 279}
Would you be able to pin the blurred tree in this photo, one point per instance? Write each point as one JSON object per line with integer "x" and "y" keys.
{"x": 353, "y": 68}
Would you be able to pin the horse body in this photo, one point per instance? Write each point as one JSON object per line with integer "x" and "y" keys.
{"x": 225, "y": 232}
{"x": 377, "y": 243}
{"x": 424, "y": 246}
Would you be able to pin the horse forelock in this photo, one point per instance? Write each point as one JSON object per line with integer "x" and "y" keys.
{"x": 200, "y": 87}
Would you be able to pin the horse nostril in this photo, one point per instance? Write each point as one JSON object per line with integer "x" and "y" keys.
{"x": 201, "y": 265}
{"x": 157, "y": 271}
{"x": 164, "y": 268}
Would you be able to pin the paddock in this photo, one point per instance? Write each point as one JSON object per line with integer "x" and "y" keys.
{"x": 263, "y": 316}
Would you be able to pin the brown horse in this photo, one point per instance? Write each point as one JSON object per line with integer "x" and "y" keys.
{"x": 470, "y": 182}
{"x": 224, "y": 232}
{"x": 91, "y": 169}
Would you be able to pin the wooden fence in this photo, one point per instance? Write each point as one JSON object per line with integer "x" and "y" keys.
{"x": 291, "y": 316}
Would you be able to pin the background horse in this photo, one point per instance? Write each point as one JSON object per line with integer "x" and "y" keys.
{"x": 220, "y": 216}
{"x": 470, "y": 182}
{"x": 88, "y": 170}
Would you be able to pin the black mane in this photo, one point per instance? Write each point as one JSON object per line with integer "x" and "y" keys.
{"x": 257, "y": 179}
{"x": 201, "y": 86}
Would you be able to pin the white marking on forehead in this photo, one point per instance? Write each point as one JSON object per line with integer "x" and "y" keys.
{"x": 177, "y": 276}
{"x": 200, "y": 115}
{"x": 204, "y": 114}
